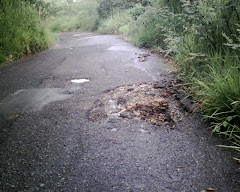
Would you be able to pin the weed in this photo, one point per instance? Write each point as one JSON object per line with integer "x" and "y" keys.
{"x": 22, "y": 31}
{"x": 117, "y": 23}
{"x": 72, "y": 16}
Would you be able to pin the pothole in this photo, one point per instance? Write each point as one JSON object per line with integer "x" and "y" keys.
{"x": 154, "y": 102}
{"x": 79, "y": 81}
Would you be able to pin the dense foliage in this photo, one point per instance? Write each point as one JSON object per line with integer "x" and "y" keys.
{"x": 107, "y": 7}
{"x": 22, "y": 30}
{"x": 69, "y": 16}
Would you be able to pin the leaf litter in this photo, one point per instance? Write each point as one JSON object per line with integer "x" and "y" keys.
{"x": 143, "y": 57}
{"x": 154, "y": 102}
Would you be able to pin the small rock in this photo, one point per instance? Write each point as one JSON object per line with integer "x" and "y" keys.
{"x": 42, "y": 185}
{"x": 124, "y": 114}
{"x": 68, "y": 92}
{"x": 131, "y": 89}
{"x": 143, "y": 131}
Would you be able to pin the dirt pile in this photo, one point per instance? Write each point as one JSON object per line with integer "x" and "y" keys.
{"x": 154, "y": 102}
{"x": 149, "y": 109}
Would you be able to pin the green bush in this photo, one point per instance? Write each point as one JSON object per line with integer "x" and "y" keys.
{"x": 107, "y": 7}
{"x": 117, "y": 23}
{"x": 88, "y": 18}
{"x": 22, "y": 31}
{"x": 63, "y": 23}
{"x": 66, "y": 16}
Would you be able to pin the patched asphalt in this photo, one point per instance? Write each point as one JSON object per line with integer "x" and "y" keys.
{"x": 56, "y": 134}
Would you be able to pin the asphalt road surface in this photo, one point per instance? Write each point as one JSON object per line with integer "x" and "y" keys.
{"x": 53, "y": 139}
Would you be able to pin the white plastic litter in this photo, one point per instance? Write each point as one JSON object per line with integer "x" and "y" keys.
{"x": 80, "y": 80}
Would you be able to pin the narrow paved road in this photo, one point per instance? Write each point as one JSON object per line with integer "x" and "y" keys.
{"x": 56, "y": 136}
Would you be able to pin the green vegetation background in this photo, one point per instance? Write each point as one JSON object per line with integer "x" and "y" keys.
{"x": 202, "y": 37}
{"x": 22, "y": 30}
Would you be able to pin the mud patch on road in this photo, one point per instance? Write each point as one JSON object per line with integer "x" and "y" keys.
{"x": 156, "y": 103}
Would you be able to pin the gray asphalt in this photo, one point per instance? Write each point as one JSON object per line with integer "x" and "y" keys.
{"x": 49, "y": 143}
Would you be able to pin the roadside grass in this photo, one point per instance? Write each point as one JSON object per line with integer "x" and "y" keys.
{"x": 88, "y": 18}
{"x": 117, "y": 23}
{"x": 81, "y": 15}
{"x": 63, "y": 23}
{"x": 22, "y": 31}
{"x": 143, "y": 31}
{"x": 220, "y": 95}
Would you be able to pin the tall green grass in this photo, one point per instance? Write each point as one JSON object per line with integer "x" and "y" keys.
{"x": 22, "y": 31}
{"x": 145, "y": 32}
{"x": 117, "y": 23}
{"x": 62, "y": 23}
{"x": 81, "y": 15}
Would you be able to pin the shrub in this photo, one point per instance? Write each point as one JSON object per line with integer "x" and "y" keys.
{"x": 66, "y": 16}
{"x": 107, "y": 7}
{"x": 22, "y": 31}
{"x": 88, "y": 18}
{"x": 117, "y": 23}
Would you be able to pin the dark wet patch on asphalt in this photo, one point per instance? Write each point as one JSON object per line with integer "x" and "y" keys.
{"x": 31, "y": 100}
